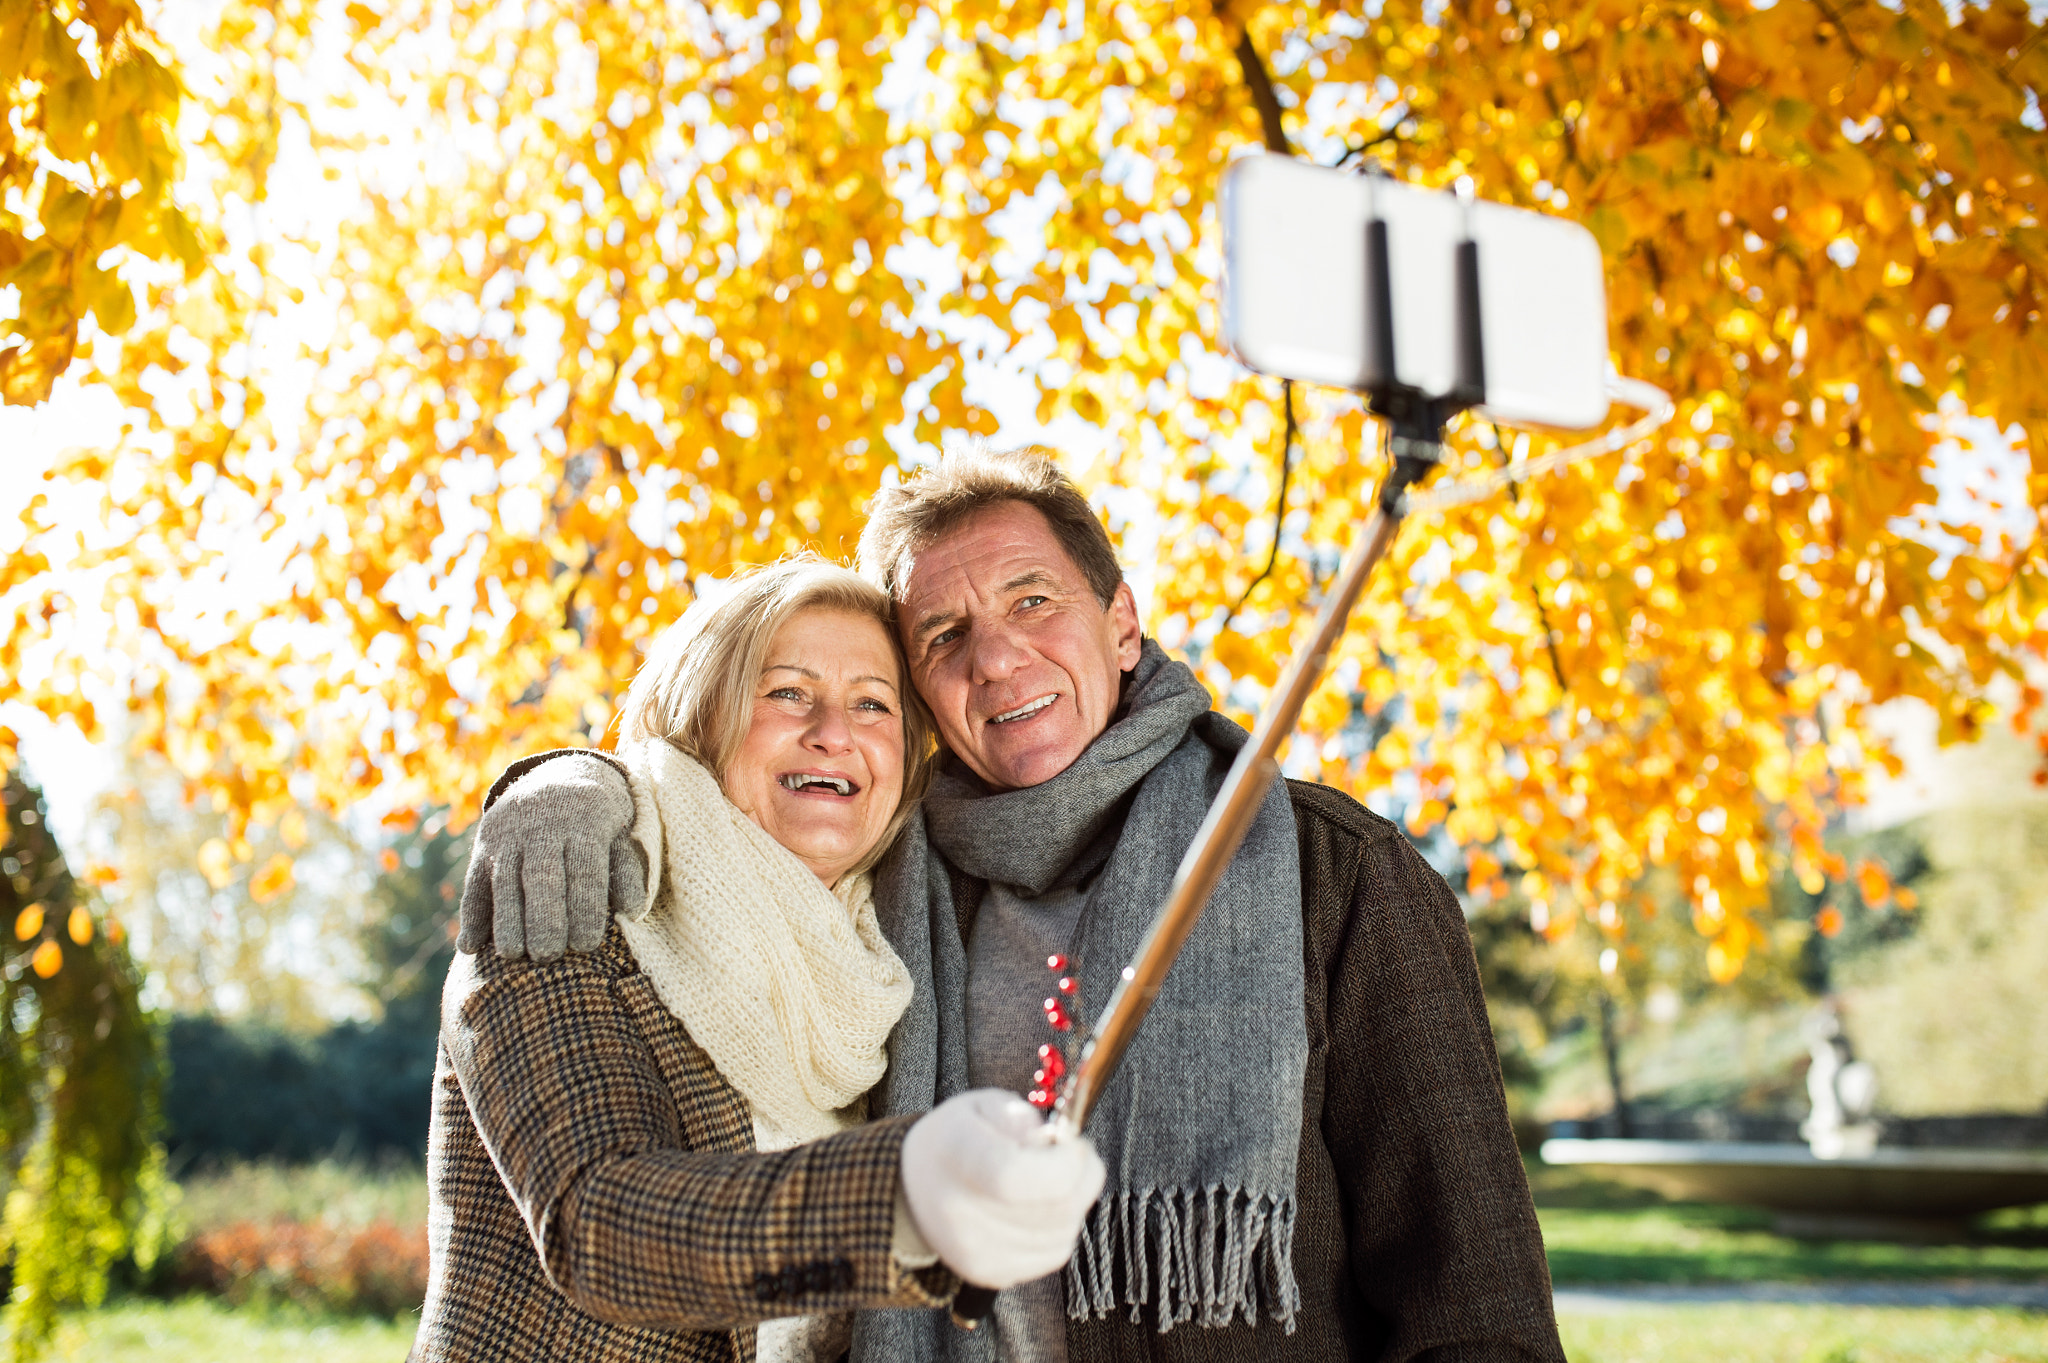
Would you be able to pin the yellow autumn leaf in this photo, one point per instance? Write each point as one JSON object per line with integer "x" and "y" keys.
{"x": 79, "y": 926}
{"x": 47, "y": 959}
{"x": 216, "y": 863}
{"x": 272, "y": 879}
{"x": 28, "y": 922}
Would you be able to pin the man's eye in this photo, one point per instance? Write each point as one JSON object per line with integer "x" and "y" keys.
{"x": 943, "y": 637}
{"x": 1030, "y": 601}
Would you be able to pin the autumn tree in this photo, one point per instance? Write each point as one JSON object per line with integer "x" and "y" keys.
{"x": 615, "y": 297}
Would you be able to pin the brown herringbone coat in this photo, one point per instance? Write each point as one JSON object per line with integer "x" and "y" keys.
{"x": 594, "y": 1190}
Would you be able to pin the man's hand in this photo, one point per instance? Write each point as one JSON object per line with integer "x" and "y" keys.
{"x": 554, "y": 857}
{"x": 993, "y": 1192}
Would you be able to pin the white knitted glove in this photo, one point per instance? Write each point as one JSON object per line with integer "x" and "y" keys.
{"x": 554, "y": 858}
{"x": 995, "y": 1193}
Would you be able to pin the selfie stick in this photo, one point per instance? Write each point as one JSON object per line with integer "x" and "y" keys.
{"x": 1415, "y": 423}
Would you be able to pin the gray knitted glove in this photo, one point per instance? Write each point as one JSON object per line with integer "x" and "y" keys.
{"x": 551, "y": 854}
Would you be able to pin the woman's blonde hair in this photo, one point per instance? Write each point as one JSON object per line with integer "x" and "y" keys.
{"x": 696, "y": 689}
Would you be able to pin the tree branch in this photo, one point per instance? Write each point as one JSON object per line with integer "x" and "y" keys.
{"x": 1287, "y": 439}
{"x": 1260, "y": 84}
{"x": 1500, "y": 441}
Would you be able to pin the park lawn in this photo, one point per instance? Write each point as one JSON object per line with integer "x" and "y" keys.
{"x": 1751, "y": 1333}
{"x": 1598, "y": 1232}
{"x": 207, "y": 1330}
{"x": 201, "y": 1330}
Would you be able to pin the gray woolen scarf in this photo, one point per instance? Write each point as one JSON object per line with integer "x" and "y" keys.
{"x": 1202, "y": 1124}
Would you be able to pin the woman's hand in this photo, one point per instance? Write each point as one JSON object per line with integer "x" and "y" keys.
{"x": 554, "y": 858}
{"x": 995, "y": 1192}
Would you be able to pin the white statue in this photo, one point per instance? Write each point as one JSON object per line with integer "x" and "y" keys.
{"x": 1843, "y": 1090}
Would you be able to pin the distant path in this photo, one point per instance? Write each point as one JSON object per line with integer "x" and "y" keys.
{"x": 1636, "y": 1297}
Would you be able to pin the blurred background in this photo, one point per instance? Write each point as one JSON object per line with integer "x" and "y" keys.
{"x": 377, "y": 377}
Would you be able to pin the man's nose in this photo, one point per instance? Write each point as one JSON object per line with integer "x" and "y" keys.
{"x": 997, "y": 654}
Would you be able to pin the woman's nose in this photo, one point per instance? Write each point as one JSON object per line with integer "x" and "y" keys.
{"x": 829, "y": 730}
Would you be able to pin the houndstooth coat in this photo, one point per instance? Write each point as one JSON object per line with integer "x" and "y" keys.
{"x": 595, "y": 1194}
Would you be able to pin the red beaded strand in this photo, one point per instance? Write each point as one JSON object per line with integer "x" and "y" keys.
{"x": 1052, "y": 1061}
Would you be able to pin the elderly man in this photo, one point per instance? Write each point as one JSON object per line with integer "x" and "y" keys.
{"x": 1308, "y": 1148}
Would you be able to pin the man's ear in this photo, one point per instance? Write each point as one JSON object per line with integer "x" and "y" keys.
{"x": 1123, "y": 616}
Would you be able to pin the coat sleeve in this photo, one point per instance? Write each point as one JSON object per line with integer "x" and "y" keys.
{"x": 1443, "y": 1240}
{"x": 630, "y": 1224}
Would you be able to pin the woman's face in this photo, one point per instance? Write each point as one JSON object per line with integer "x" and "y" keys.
{"x": 821, "y": 769}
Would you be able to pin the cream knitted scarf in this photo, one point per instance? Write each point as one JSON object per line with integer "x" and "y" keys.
{"x": 789, "y": 987}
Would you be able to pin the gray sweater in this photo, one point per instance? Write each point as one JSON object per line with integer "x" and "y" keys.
{"x": 1007, "y": 985}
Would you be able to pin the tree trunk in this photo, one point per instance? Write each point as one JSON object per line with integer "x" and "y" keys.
{"x": 1610, "y": 1049}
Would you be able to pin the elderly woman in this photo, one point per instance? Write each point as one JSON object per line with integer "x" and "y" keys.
{"x": 656, "y": 1150}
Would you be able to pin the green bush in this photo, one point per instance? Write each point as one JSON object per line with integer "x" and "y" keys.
{"x": 246, "y": 1091}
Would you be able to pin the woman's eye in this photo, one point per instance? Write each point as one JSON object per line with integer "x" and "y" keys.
{"x": 785, "y": 693}
{"x": 879, "y": 707}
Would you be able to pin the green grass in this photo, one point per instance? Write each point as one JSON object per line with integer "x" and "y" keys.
{"x": 1747, "y": 1333}
{"x": 1598, "y": 1232}
{"x": 202, "y": 1330}
{"x": 198, "y": 1330}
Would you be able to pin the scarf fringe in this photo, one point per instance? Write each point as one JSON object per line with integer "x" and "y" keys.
{"x": 1204, "y": 1256}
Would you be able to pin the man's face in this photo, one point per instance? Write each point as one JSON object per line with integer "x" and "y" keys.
{"x": 1009, "y": 647}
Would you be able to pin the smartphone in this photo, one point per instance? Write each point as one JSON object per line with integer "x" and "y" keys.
{"x": 1300, "y": 264}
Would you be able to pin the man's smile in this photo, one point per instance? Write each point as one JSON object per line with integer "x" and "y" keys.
{"x": 1024, "y": 711}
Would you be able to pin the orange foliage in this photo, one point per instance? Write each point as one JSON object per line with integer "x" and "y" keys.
{"x": 321, "y": 1266}
{"x": 87, "y": 168}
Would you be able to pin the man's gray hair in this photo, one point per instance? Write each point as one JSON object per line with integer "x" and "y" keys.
{"x": 905, "y": 520}
{"x": 696, "y": 689}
